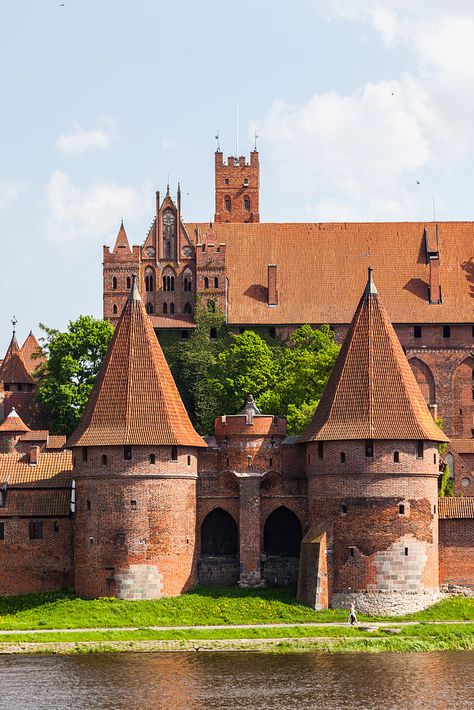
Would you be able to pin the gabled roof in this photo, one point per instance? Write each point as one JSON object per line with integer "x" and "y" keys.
{"x": 14, "y": 370}
{"x": 456, "y": 508}
{"x": 121, "y": 243}
{"x": 322, "y": 267}
{"x": 13, "y": 422}
{"x": 134, "y": 399}
{"x": 372, "y": 392}
{"x": 32, "y": 353}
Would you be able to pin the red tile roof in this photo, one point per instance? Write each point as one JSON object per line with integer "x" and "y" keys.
{"x": 13, "y": 368}
{"x": 321, "y": 270}
{"x": 13, "y": 422}
{"x": 463, "y": 446}
{"x": 36, "y": 435}
{"x": 52, "y": 469}
{"x": 134, "y": 399}
{"x": 37, "y": 503}
{"x": 372, "y": 392}
{"x": 56, "y": 441}
{"x": 122, "y": 243}
{"x": 32, "y": 353}
{"x": 181, "y": 322}
{"x": 456, "y": 508}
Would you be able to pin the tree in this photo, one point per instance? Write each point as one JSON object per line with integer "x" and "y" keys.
{"x": 73, "y": 361}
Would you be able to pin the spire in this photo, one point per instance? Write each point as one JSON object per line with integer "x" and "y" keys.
{"x": 32, "y": 353}
{"x": 14, "y": 369}
{"x": 122, "y": 245}
{"x": 372, "y": 392}
{"x": 134, "y": 400}
{"x": 13, "y": 422}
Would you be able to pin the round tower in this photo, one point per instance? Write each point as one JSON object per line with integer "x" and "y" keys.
{"x": 372, "y": 467}
{"x": 135, "y": 468}
{"x": 11, "y": 429}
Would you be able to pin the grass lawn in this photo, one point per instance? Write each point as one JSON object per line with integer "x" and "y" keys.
{"x": 201, "y": 606}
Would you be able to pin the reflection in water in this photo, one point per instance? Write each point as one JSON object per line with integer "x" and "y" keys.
{"x": 204, "y": 681}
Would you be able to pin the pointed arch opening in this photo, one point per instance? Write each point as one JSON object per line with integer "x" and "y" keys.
{"x": 463, "y": 399}
{"x": 219, "y": 534}
{"x": 282, "y": 534}
{"x": 149, "y": 280}
{"x": 425, "y": 379}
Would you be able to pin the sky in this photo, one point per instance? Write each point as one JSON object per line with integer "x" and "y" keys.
{"x": 364, "y": 111}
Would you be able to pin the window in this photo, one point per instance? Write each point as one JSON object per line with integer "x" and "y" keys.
{"x": 213, "y": 334}
{"x": 396, "y": 457}
{"x": 272, "y": 332}
{"x": 152, "y": 459}
{"x": 434, "y": 510}
{"x": 165, "y": 308}
{"x": 309, "y": 459}
{"x": 417, "y": 331}
{"x": 344, "y": 509}
{"x": 446, "y": 331}
{"x": 129, "y": 282}
{"x": 88, "y": 505}
{"x": 343, "y": 457}
{"x": 472, "y": 331}
{"x": 184, "y": 335}
{"x": 20, "y": 387}
{"x": 206, "y": 282}
{"x": 114, "y": 283}
{"x": 187, "y": 307}
{"x": 171, "y": 309}
{"x": 434, "y": 458}
{"x": 401, "y": 509}
{"x": 352, "y": 551}
{"x": 270, "y": 462}
{"x": 174, "y": 453}
{"x": 406, "y": 551}
{"x": 104, "y": 459}
{"x": 369, "y": 449}
{"x": 85, "y": 453}
{"x": 56, "y": 526}
{"x": 114, "y": 309}
{"x": 127, "y": 453}
{"x": 216, "y": 282}
{"x": 149, "y": 281}
{"x": 320, "y": 449}
{"x": 226, "y": 181}
{"x": 2, "y": 531}
{"x": 36, "y": 530}
{"x": 247, "y": 203}
{"x": 189, "y": 460}
{"x": 227, "y": 203}
{"x": 3, "y": 497}
{"x": 149, "y": 308}
{"x": 420, "y": 449}
{"x": 246, "y": 182}
{"x": 133, "y": 504}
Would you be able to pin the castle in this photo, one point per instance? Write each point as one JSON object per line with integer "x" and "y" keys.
{"x": 137, "y": 505}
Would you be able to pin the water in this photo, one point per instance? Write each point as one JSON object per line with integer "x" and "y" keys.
{"x": 204, "y": 681}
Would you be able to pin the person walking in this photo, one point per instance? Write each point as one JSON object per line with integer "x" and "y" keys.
{"x": 352, "y": 614}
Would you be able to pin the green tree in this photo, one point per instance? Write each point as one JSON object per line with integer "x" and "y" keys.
{"x": 73, "y": 362}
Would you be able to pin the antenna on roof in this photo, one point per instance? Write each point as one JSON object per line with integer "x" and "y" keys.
{"x": 237, "y": 127}
{"x": 218, "y": 147}
{"x": 255, "y": 141}
{"x": 14, "y": 322}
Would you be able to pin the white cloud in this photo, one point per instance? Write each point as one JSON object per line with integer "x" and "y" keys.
{"x": 81, "y": 141}
{"x": 73, "y": 214}
{"x": 9, "y": 193}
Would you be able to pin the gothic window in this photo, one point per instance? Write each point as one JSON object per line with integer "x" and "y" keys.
{"x": 425, "y": 379}
{"x": 129, "y": 282}
{"x": 187, "y": 308}
{"x": 171, "y": 308}
{"x": 188, "y": 280}
{"x": 114, "y": 309}
{"x": 114, "y": 283}
{"x": 169, "y": 235}
{"x": 149, "y": 280}
{"x": 216, "y": 282}
{"x": 206, "y": 282}
{"x": 247, "y": 203}
{"x": 165, "y": 308}
{"x": 227, "y": 203}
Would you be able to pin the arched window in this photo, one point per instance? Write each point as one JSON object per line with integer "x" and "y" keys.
{"x": 188, "y": 280}
{"x": 172, "y": 283}
{"x": 149, "y": 308}
{"x": 206, "y": 282}
{"x": 247, "y": 203}
{"x": 219, "y": 534}
{"x": 129, "y": 282}
{"x": 211, "y": 306}
{"x": 165, "y": 308}
{"x": 114, "y": 309}
{"x": 216, "y": 282}
{"x": 282, "y": 534}
{"x": 171, "y": 308}
{"x": 149, "y": 280}
{"x": 187, "y": 308}
{"x": 114, "y": 283}
{"x": 425, "y": 379}
{"x": 463, "y": 399}
{"x": 227, "y": 203}
{"x": 168, "y": 281}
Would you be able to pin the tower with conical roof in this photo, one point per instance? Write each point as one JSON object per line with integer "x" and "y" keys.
{"x": 372, "y": 468}
{"x": 17, "y": 384}
{"x": 135, "y": 467}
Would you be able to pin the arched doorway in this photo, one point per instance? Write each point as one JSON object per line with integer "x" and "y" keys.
{"x": 219, "y": 559}
{"x": 282, "y": 536}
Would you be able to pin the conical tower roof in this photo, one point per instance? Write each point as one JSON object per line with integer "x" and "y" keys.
{"x": 134, "y": 400}
{"x": 14, "y": 369}
{"x": 13, "y": 422}
{"x": 121, "y": 242}
{"x": 32, "y": 353}
{"x": 372, "y": 392}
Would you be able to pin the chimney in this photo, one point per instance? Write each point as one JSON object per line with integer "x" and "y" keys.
{"x": 435, "y": 287}
{"x": 272, "y": 285}
{"x": 33, "y": 456}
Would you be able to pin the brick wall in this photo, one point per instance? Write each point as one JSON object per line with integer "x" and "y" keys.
{"x": 456, "y": 552}
{"x": 237, "y": 185}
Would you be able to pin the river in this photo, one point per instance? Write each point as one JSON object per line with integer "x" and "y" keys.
{"x": 230, "y": 681}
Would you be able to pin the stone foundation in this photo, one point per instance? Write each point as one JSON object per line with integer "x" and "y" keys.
{"x": 220, "y": 570}
{"x": 139, "y": 582}
{"x": 386, "y": 603}
{"x": 280, "y": 571}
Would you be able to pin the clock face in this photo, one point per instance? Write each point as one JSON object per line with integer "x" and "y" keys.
{"x": 168, "y": 218}
{"x": 150, "y": 251}
{"x": 187, "y": 251}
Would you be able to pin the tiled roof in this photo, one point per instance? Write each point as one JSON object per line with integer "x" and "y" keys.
{"x": 372, "y": 392}
{"x": 52, "y": 469}
{"x": 122, "y": 243}
{"x": 463, "y": 446}
{"x": 37, "y": 503}
{"x": 14, "y": 423}
{"x": 167, "y": 322}
{"x": 321, "y": 270}
{"x": 456, "y": 508}
{"x": 13, "y": 368}
{"x": 134, "y": 399}
{"x": 35, "y": 435}
{"x": 32, "y": 353}
{"x": 56, "y": 441}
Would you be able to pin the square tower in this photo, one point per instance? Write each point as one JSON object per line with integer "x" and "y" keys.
{"x": 237, "y": 188}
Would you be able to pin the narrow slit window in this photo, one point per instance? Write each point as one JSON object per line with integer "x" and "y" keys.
{"x": 174, "y": 453}
{"x": 352, "y": 551}
{"x": 420, "y": 450}
{"x": 396, "y": 457}
{"x": 446, "y": 331}
{"x": 406, "y": 551}
{"x": 127, "y": 453}
{"x": 189, "y": 460}
{"x": 85, "y": 453}
{"x": 320, "y": 449}
{"x": 88, "y": 505}
{"x": 344, "y": 509}
{"x": 104, "y": 459}
{"x": 401, "y": 509}
{"x": 369, "y": 448}
{"x": 133, "y": 504}
{"x": 417, "y": 331}
{"x": 152, "y": 459}
{"x": 343, "y": 457}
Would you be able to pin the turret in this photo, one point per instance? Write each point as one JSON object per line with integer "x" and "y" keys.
{"x": 237, "y": 188}
{"x": 11, "y": 429}
{"x": 17, "y": 384}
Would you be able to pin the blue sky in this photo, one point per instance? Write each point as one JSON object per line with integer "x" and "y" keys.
{"x": 364, "y": 110}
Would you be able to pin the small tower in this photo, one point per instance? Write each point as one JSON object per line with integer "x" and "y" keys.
{"x": 11, "y": 429}
{"x": 118, "y": 267}
{"x": 237, "y": 188}
{"x": 17, "y": 384}
{"x": 372, "y": 468}
{"x": 135, "y": 467}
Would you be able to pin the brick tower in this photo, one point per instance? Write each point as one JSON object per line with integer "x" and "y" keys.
{"x": 17, "y": 385}
{"x": 372, "y": 467}
{"x": 237, "y": 188}
{"x": 135, "y": 467}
